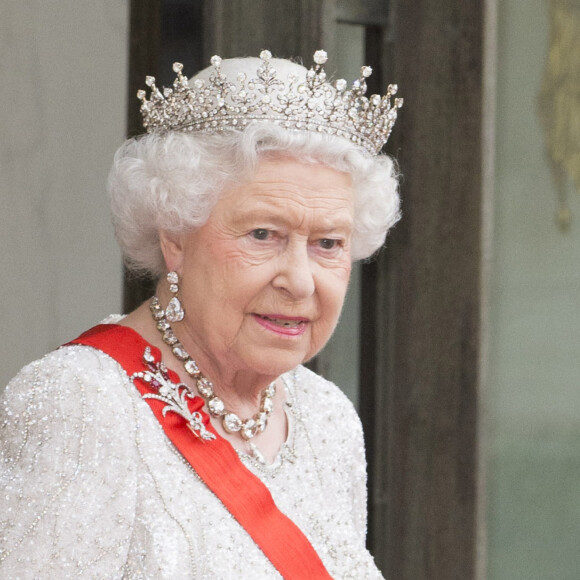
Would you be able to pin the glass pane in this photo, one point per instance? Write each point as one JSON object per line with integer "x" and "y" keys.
{"x": 339, "y": 362}
{"x": 534, "y": 368}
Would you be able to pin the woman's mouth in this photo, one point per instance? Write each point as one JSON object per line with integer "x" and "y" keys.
{"x": 288, "y": 325}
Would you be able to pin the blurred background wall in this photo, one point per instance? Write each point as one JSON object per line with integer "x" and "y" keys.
{"x": 532, "y": 403}
{"x": 63, "y": 65}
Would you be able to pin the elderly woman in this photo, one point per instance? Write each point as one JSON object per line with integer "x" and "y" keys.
{"x": 185, "y": 440}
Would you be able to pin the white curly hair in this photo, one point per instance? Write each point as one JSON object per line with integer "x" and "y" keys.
{"x": 171, "y": 181}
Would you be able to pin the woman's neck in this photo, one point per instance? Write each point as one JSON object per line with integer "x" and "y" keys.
{"x": 241, "y": 391}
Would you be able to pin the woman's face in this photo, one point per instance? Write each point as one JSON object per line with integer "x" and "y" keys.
{"x": 263, "y": 281}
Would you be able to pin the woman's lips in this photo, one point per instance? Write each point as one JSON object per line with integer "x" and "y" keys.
{"x": 286, "y": 325}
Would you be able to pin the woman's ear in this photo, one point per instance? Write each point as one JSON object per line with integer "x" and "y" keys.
{"x": 172, "y": 249}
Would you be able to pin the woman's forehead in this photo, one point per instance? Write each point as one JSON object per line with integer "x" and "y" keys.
{"x": 287, "y": 191}
{"x": 291, "y": 175}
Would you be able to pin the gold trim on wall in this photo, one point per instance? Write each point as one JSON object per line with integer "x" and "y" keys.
{"x": 559, "y": 101}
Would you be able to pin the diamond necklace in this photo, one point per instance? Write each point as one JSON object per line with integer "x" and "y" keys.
{"x": 247, "y": 428}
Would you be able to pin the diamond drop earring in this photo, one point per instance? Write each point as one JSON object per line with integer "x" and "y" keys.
{"x": 174, "y": 311}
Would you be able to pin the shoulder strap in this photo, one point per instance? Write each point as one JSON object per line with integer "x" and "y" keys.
{"x": 217, "y": 464}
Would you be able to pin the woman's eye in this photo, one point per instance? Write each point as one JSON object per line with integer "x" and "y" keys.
{"x": 260, "y": 234}
{"x": 328, "y": 244}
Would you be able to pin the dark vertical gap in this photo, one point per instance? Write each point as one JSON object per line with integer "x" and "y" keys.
{"x": 367, "y": 379}
{"x": 144, "y": 42}
{"x": 368, "y": 317}
{"x": 161, "y": 32}
{"x": 181, "y": 38}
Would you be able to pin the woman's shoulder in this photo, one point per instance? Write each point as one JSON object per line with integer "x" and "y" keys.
{"x": 75, "y": 401}
{"x": 312, "y": 384}
{"x": 64, "y": 383}
{"x": 65, "y": 464}
{"x": 315, "y": 394}
{"x": 78, "y": 360}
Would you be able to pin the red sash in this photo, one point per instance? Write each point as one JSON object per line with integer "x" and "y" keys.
{"x": 216, "y": 462}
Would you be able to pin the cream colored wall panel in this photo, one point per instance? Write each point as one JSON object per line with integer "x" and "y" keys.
{"x": 63, "y": 93}
{"x": 533, "y": 394}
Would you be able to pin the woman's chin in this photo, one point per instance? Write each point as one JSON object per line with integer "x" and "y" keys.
{"x": 272, "y": 361}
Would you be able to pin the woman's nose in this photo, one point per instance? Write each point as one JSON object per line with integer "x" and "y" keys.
{"x": 295, "y": 274}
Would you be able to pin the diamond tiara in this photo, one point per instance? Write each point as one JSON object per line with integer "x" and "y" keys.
{"x": 309, "y": 103}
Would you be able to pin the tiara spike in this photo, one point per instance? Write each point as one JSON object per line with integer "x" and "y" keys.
{"x": 320, "y": 57}
{"x": 296, "y": 103}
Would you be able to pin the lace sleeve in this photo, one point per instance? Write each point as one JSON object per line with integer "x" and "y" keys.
{"x": 68, "y": 491}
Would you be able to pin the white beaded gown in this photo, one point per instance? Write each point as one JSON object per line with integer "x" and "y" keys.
{"x": 90, "y": 486}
